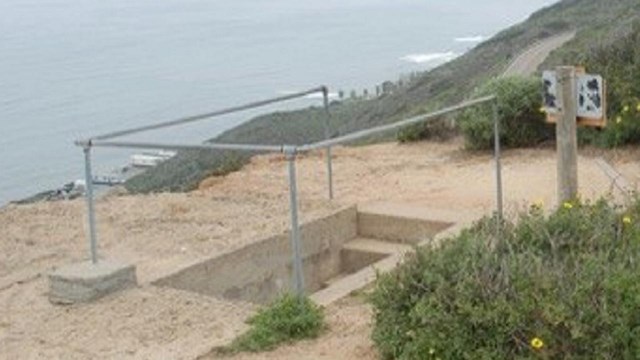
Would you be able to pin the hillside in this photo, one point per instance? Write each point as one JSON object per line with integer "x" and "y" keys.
{"x": 596, "y": 23}
{"x": 162, "y": 233}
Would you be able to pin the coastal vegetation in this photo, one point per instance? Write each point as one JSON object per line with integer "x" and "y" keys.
{"x": 518, "y": 110}
{"x": 597, "y": 25}
{"x": 289, "y": 318}
{"x": 619, "y": 63}
{"x": 557, "y": 286}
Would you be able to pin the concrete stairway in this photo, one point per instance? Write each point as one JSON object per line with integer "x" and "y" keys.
{"x": 402, "y": 223}
{"x": 386, "y": 232}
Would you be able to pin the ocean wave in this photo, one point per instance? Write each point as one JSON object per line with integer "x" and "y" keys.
{"x": 470, "y": 39}
{"x": 430, "y": 57}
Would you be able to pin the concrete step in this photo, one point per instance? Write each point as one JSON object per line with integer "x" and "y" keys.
{"x": 345, "y": 285}
{"x": 334, "y": 280}
{"x": 377, "y": 224}
{"x": 375, "y": 246}
{"x": 403, "y": 223}
{"x": 361, "y": 252}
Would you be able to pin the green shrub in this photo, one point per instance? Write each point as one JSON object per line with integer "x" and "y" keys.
{"x": 619, "y": 64}
{"x": 438, "y": 129}
{"x": 287, "y": 319}
{"x": 186, "y": 170}
{"x": 623, "y": 128}
{"x": 567, "y": 283}
{"x": 521, "y": 121}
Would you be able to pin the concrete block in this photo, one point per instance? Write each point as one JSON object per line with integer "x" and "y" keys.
{"x": 85, "y": 281}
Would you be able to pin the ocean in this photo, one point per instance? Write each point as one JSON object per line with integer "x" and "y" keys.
{"x": 70, "y": 69}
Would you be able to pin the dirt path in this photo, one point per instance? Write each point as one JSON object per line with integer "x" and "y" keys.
{"x": 527, "y": 63}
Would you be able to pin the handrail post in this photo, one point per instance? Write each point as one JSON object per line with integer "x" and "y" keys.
{"x": 298, "y": 276}
{"x": 91, "y": 218}
{"x": 496, "y": 140}
{"x": 327, "y": 136}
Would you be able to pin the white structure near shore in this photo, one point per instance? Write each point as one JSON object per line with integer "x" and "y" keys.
{"x": 150, "y": 159}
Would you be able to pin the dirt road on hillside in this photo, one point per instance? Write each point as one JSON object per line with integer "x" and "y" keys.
{"x": 527, "y": 63}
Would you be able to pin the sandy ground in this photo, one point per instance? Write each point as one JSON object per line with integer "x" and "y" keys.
{"x": 347, "y": 337}
{"x": 161, "y": 232}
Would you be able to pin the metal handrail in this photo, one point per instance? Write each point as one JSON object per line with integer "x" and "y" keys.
{"x": 101, "y": 141}
{"x": 206, "y": 146}
{"x": 290, "y": 152}
{"x": 384, "y": 128}
{"x": 426, "y": 117}
{"x": 199, "y": 117}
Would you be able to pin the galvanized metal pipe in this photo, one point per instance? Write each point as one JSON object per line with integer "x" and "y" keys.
{"x": 93, "y": 241}
{"x": 288, "y": 150}
{"x": 384, "y": 128}
{"x": 496, "y": 142}
{"x": 206, "y": 146}
{"x": 327, "y": 136}
{"x": 190, "y": 119}
{"x": 298, "y": 275}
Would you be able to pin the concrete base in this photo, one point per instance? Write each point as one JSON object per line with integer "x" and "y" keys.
{"x": 85, "y": 282}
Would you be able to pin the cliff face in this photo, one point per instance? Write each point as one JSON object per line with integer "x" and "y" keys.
{"x": 595, "y": 22}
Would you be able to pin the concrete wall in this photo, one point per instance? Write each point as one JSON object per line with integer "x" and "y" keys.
{"x": 262, "y": 270}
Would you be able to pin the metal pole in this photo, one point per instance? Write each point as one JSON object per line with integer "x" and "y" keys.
{"x": 496, "y": 138}
{"x": 298, "y": 276}
{"x": 90, "y": 208}
{"x": 327, "y": 136}
{"x": 178, "y": 147}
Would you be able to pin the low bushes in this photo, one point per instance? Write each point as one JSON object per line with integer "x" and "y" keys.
{"x": 287, "y": 319}
{"x": 563, "y": 286}
{"x": 521, "y": 121}
{"x": 439, "y": 129}
{"x": 623, "y": 128}
{"x": 619, "y": 64}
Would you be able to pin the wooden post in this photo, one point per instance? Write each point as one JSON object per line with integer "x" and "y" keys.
{"x": 566, "y": 135}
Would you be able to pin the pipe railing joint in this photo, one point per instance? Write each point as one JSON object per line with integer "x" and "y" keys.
{"x": 290, "y": 151}
{"x": 84, "y": 143}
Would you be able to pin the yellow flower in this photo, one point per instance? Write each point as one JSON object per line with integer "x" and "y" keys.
{"x": 537, "y": 343}
{"x": 567, "y": 205}
{"x": 537, "y": 205}
{"x": 626, "y": 220}
{"x": 543, "y": 110}
{"x": 638, "y": 107}
{"x": 625, "y": 109}
{"x": 431, "y": 351}
{"x": 618, "y": 120}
